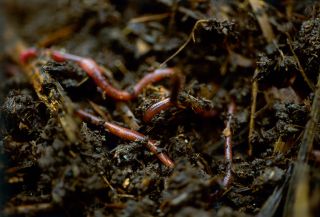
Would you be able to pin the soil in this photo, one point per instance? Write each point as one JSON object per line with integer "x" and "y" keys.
{"x": 226, "y": 53}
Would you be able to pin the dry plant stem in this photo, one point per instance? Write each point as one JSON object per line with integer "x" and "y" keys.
{"x": 266, "y": 28}
{"x": 127, "y": 115}
{"x": 262, "y": 17}
{"x": 301, "y": 206}
{"x": 254, "y": 93}
{"x": 271, "y": 205}
{"x": 127, "y": 134}
{"x": 56, "y": 36}
{"x": 149, "y": 18}
{"x": 311, "y": 127}
{"x": 301, "y": 168}
{"x": 190, "y": 37}
{"x": 100, "y": 111}
{"x": 56, "y": 100}
{"x": 301, "y": 70}
{"x": 115, "y": 206}
{"x": 94, "y": 71}
{"x": 228, "y": 146}
{"x": 27, "y": 209}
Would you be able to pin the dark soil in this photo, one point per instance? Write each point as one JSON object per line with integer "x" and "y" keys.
{"x": 44, "y": 174}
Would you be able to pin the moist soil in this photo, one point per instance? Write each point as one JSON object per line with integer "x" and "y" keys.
{"x": 224, "y": 57}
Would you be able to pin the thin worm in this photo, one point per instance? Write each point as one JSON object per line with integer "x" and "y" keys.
{"x": 167, "y": 103}
{"x": 28, "y": 54}
{"x": 156, "y": 109}
{"x": 94, "y": 71}
{"x": 228, "y": 146}
{"x": 127, "y": 134}
{"x": 153, "y": 77}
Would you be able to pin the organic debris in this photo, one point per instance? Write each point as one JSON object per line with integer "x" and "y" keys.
{"x": 160, "y": 108}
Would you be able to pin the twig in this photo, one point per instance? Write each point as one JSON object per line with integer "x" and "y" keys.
{"x": 272, "y": 204}
{"x": 262, "y": 17}
{"x": 254, "y": 93}
{"x": 191, "y": 36}
{"x": 301, "y": 70}
{"x": 148, "y": 18}
{"x": 127, "y": 115}
{"x": 58, "y": 35}
{"x": 301, "y": 168}
{"x": 28, "y": 209}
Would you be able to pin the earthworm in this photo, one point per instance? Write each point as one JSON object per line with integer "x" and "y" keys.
{"x": 127, "y": 134}
{"x": 153, "y": 77}
{"x": 167, "y": 103}
{"x": 28, "y": 54}
{"x": 94, "y": 71}
{"x": 228, "y": 145}
{"x": 156, "y": 109}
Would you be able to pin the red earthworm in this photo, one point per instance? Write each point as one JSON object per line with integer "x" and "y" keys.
{"x": 153, "y": 77}
{"x": 228, "y": 145}
{"x": 167, "y": 103}
{"x": 127, "y": 134}
{"x": 156, "y": 109}
{"x": 177, "y": 81}
{"x": 28, "y": 54}
{"x": 94, "y": 71}
{"x": 61, "y": 57}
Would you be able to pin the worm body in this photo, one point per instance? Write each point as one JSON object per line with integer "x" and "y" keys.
{"x": 153, "y": 77}
{"x": 156, "y": 109}
{"x": 28, "y": 54}
{"x": 127, "y": 134}
{"x": 94, "y": 71}
{"x": 168, "y": 103}
{"x": 228, "y": 145}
